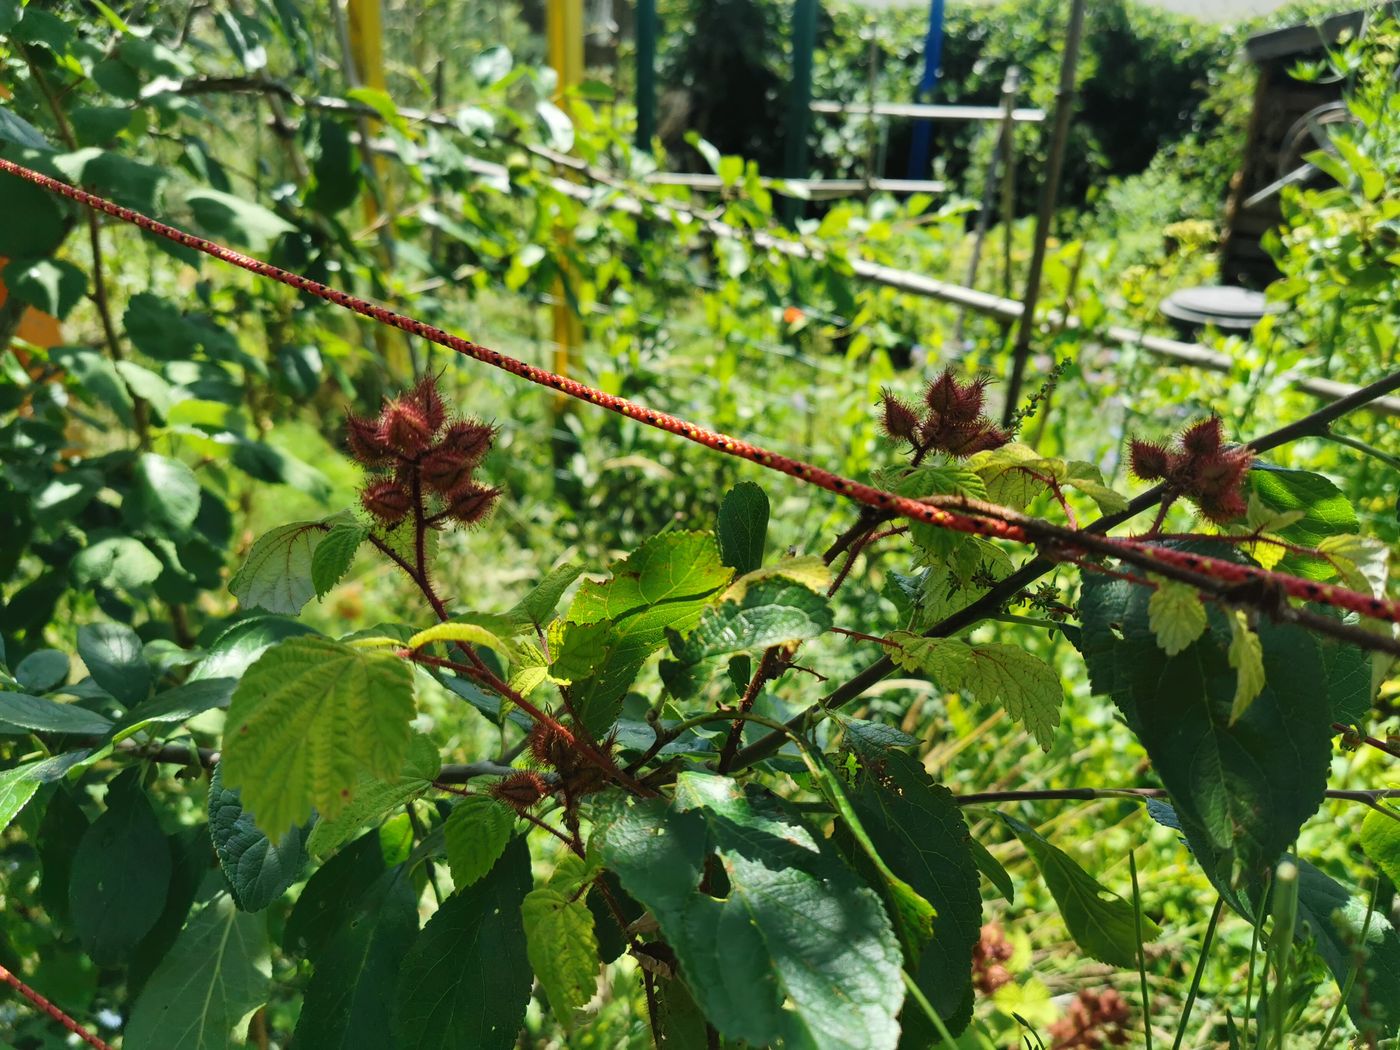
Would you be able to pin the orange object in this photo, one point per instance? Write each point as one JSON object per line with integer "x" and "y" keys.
{"x": 35, "y": 326}
{"x": 792, "y": 315}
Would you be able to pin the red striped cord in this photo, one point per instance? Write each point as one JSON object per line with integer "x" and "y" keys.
{"x": 1006, "y": 525}
{"x": 48, "y": 1008}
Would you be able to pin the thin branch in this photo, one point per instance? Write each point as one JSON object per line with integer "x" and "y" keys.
{"x": 991, "y": 603}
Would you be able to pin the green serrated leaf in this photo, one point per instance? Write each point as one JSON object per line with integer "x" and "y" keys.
{"x": 918, "y": 829}
{"x": 113, "y": 909}
{"x": 42, "y": 670}
{"x": 1176, "y": 615}
{"x": 114, "y": 657}
{"x": 538, "y": 606}
{"x": 1380, "y": 838}
{"x": 1246, "y": 656}
{"x": 374, "y": 798}
{"x": 562, "y": 948}
{"x": 613, "y": 626}
{"x": 771, "y": 612}
{"x": 228, "y": 217}
{"x": 348, "y": 1003}
{"x": 1089, "y": 480}
{"x": 1025, "y": 685}
{"x": 216, "y": 974}
{"x": 742, "y": 527}
{"x": 1242, "y": 789}
{"x": 477, "y": 832}
{"x": 1101, "y": 922}
{"x": 166, "y": 494}
{"x": 331, "y": 558}
{"x": 258, "y": 870}
{"x": 466, "y": 980}
{"x": 17, "y": 787}
{"x": 797, "y": 953}
{"x": 276, "y": 576}
{"x": 307, "y": 721}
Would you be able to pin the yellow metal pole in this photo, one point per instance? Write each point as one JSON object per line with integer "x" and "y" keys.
{"x": 564, "y": 29}
{"x": 364, "y": 38}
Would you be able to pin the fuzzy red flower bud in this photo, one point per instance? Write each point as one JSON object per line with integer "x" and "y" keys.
{"x": 365, "y": 444}
{"x": 469, "y": 502}
{"x": 1149, "y": 460}
{"x": 404, "y": 427}
{"x": 942, "y": 393}
{"x": 901, "y": 422}
{"x": 521, "y": 790}
{"x": 425, "y": 395}
{"x": 967, "y": 441}
{"x": 469, "y": 439}
{"x": 442, "y": 468}
{"x": 388, "y": 501}
{"x": 1203, "y": 438}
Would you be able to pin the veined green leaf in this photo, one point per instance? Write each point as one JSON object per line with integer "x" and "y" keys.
{"x": 1101, "y": 922}
{"x": 307, "y": 720}
{"x": 258, "y": 870}
{"x": 1176, "y": 615}
{"x": 477, "y": 832}
{"x": 796, "y": 953}
{"x": 276, "y": 575}
{"x": 375, "y": 798}
{"x": 742, "y": 527}
{"x": 1019, "y": 681}
{"x": 215, "y": 976}
{"x": 466, "y": 980}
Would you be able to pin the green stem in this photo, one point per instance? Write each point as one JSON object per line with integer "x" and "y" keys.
{"x": 1141, "y": 956}
{"x": 1200, "y": 971}
{"x": 1363, "y": 447}
{"x": 1356, "y": 964}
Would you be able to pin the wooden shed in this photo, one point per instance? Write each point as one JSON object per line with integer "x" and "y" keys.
{"x": 1288, "y": 114}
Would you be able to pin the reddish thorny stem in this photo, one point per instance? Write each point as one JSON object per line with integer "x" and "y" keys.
{"x": 981, "y": 520}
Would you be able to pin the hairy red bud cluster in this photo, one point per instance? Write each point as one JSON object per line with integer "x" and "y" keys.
{"x": 1200, "y": 466}
{"x": 989, "y": 956}
{"x": 1095, "y": 1019}
{"x": 950, "y": 420}
{"x": 521, "y": 790}
{"x": 428, "y": 455}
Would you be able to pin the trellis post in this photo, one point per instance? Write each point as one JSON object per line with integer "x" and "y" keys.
{"x": 1045, "y": 214}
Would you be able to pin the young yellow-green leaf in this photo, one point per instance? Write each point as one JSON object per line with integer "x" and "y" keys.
{"x": 613, "y": 626}
{"x": 811, "y": 571}
{"x": 1176, "y": 615}
{"x": 1101, "y": 922}
{"x": 1089, "y": 480}
{"x": 1246, "y": 656}
{"x": 476, "y": 833}
{"x": 1363, "y": 562}
{"x": 1015, "y": 473}
{"x": 276, "y": 575}
{"x": 1260, "y": 517}
{"x": 308, "y": 719}
{"x": 375, "y": 798}
{"x": 670, "y": 567}
{"x": 491, "y": 631}
{"x": 1380, "y": 838}
{"x": 562, "y": 948}
{"x": 1025, "y": 685}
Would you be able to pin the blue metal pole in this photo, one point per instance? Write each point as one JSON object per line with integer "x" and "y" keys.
{"x": 921, "y": 147}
